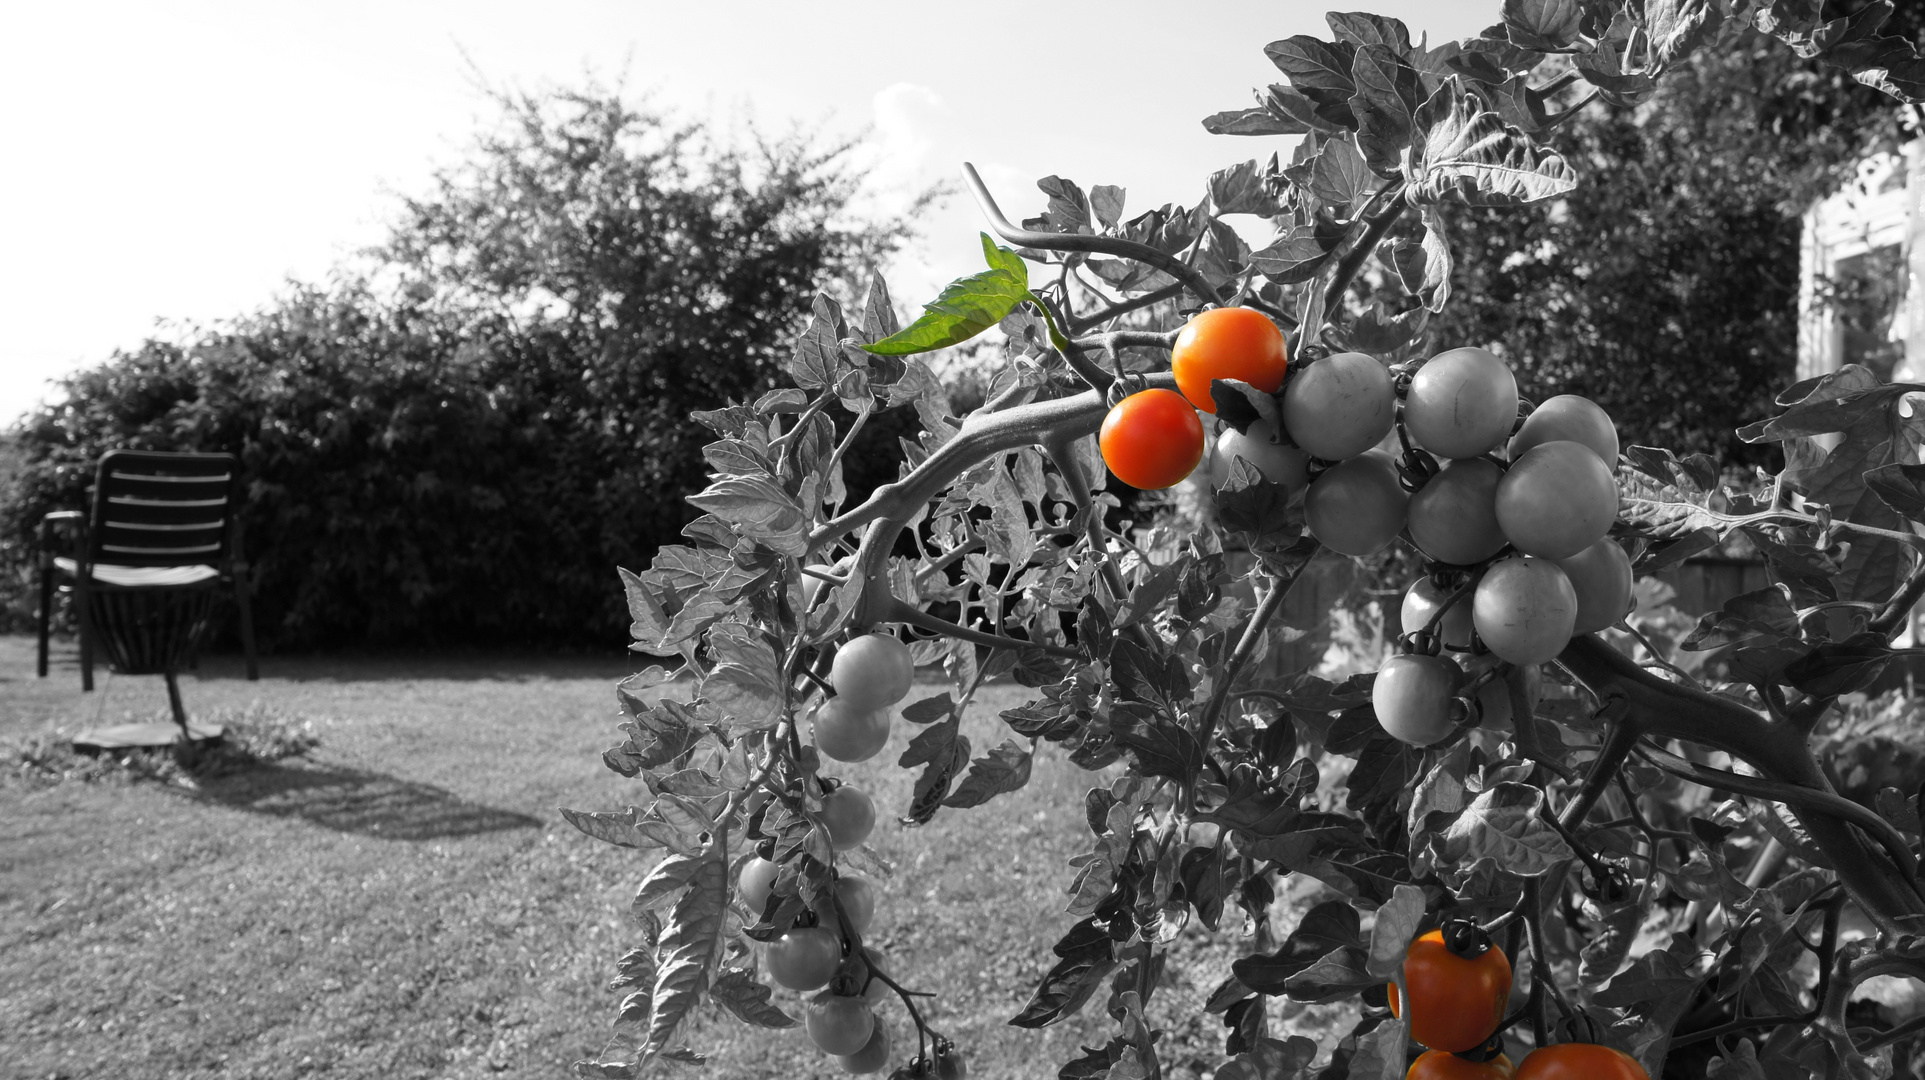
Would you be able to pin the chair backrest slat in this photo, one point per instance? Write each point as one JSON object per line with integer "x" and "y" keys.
{"x": 162, "y": 509}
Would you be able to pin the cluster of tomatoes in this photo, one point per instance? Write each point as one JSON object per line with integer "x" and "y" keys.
{"x": 1513, "y": 518}
{"x": 869, "y": 674}
{"x": 1460, "y": 984}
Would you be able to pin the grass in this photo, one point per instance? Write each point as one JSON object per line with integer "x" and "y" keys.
{"x": 371, "y": 880}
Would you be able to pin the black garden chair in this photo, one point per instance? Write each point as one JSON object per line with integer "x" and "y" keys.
{"x": 146, "y": 564}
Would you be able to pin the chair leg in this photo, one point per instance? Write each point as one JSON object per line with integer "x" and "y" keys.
{"x": 180, "y": 712}
{"x": 46, "y": 615}
{"x": 82, "y": 602}
{"x": 241, "y": 601}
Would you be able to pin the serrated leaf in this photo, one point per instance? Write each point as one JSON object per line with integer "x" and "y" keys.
{"x": 1388, "y": 93}
{"x": 761, "y": 510}
{"x": 1543, "y": 24}
{"x": 1678, "y": 27}
{"x": 1329, "y": 926}
{"x": 1271, "y": 1059}
{"x": 1254, "y": 121}
{"x": 1365, "y": 28}
{"x": 1341, "y": 177}
{"x": 1380, "y": 1053}
{"x": 1422, "y": 261}
{"x": 967, "y": 307}
{"x": 1840, "y": 667}
{"x": 687, "y": 952}
{"x": 1462, "y": 149}
{"x": 748, "y": 1001}
{"x": 818, "y": 351}
{"x": 666, "y": 880}
{"x": 1296, "y": 255}
{"x": 1505, "y": 824}
{"x": 1396, "y": 927}
{"x": 1004, "y": 769}
{"x": 1068, "y": 986}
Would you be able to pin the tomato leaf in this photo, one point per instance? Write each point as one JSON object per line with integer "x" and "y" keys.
{"x": 1380, "y": 1053}
{"x": 1068, "y": 985}
{"x": 1388, "y": 92}
{"x": 1396, "y": 926}
{"x": 748, "y": 1000}
{"x": 667, "y": 879}
{"x": 1840, "y": 667}
{"x": 761, "y": 510}
{"x": 1463, "y": 149}
{"x": 686, "y": 953}
{"x": 1504, "y": 824}
{"x": 1330, "y": 926}
{"x": 1271, "y": 1059}
{"x": 1543, "y": 25}
{"x": 1004, "y": 769}
{"x": 967, "y": 307}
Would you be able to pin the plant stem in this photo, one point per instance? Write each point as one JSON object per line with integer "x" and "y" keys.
{"x": 1246, "y": 646}
{"x": 1124, "y": 307}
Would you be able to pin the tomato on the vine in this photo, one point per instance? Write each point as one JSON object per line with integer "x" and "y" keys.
{"x": 849, "y": 815}
{"x": 756, "y": 882}
{"x": 1568, "y": 416}
{"x": 873, "y": 671}
{"x": 839, "y": 1025}
{"x": 1556, "y": 500}
{"x": 1340, "y": 406}
{"x": 1275, "y": 462}
{"x": 1601, "y": 577}
{"x": 1358, "y": 507}
{"x": 949, "y": 1062}
{"x": 849, "y": 734}
{"x": 1524, "y": 609}
{"x": 858, "y": 898}
{"x": 1226, "y": 343}
{"x": 805, "y": 958}
{"x": 873, "y": 1056}
{"x": 1152, "y": 439}
{"x": 1412, "y": 696}
{"x": 1580, "y": 1061}
{"x": 1438, "y": 1065}
{"x": 1455, "y": 1001}
{"x": 1461, "y": 403}
{"x": 1453, "y": 517}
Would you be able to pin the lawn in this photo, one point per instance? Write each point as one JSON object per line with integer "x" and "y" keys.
{"x": 404, "y": 901}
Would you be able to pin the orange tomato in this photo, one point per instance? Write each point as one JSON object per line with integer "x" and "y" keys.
{"x": 1580, "y": 1061}
{"x": 1437, "y": 1065}
{"x": 1152, "y": 439}
{"x": 1456, "y": 1001}
{"x": 1227, "y": 343}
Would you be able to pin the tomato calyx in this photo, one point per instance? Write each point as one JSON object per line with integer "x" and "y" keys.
{"x": 1615, "y": 888}
{"x": 1464, "y": 938}
{"x": 1493, "y": 1047}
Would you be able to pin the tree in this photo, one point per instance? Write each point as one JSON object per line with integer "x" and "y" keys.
{"x": 456, "y": 440}
{"x": 1536, "y": 782}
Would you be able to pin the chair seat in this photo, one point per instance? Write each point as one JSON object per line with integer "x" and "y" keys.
{"x": 142, "y": 577}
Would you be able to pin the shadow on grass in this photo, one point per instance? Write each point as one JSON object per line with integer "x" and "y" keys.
{"x": 350, "y": 800}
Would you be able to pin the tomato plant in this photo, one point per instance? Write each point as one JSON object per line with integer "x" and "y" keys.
{"x": 1438, "y": 1065}
{"x": 1662, "y": 846}
{"x": 1580, "y": 1061}
{"x": 848, "y": 734}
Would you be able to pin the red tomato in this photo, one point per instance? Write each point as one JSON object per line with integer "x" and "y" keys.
{"x": 873, "y": 671}
{"x": 757, "y": 880}
{"x": 849, "y": 815}
{"x": 1226, "y": 343}
{"x": 849, "y": 734}
{"x": 1456, "y": 1001}
{"x": 839, "y": 1025}
{"x": 1152, "y": 439}
{"x": 858, "y": 898}
{"x": 805, "y": 958}
{"x": 1579, "y": 1061}
{"x": 1524, "y": 609}
{"x": 1412, "y": 697}
{"x": 1437, "y": 1065}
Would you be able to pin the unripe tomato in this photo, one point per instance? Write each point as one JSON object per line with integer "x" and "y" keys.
{"x": 1453, "y": 517}
{"x": 805, "y": 958}
{"x": 850, "y": 734}
{"x": 1455, "y": 1001}
{"x": 1437, "y": 1065}
{"x": 1601, "y": 577}
{"x": 1557, "y": 500}
{"x": 1461, "y": 403}
{"x": 873, "y": 671}
{"x": 1152, "y": 439}
{"x": 1340, "y": 406}
{"x": 849, "y": 815}
{"x": 1357, "y": 507}
{"x": 839, "y": 1025}
{"x": 1279, "y": 464}
{"x": 873, "y": 1056}
{"x": 1421, "y": 602}
{"x": 1573, "y": 418}
{"x": 1412, "y": 697}
{"x": 858, "y": 899}
{"x": 1225, "y": 343}
{"x": 1524, "y": 609}
{"x": 756, "y": 882}
{"x": 1579, "y": 1061}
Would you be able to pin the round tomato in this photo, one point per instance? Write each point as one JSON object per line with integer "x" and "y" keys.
{"x": 756, "y": 882}
{"x": 1453, "y": 517}
{"x": 1524, "y": 609}
{"x": 1461, "y": 403}
{"x": 1340, "y": 406}
{"x": 1421, "y": 602}
{"x": 873, "y": 1056}
{"x": 1226, "y": 343}
{"x": 1275, "y": 462}
{"x": 849, "y": 815}
{"x": 858, "y": 898}
{"x": 1568, "y": 416}
{"x": 1358, "y": 507}
{"x": 805, "y": 958}
{"x": 839, "y": 1025}
{"x": 1455, "y": 1001}
{"x": 1579, "y": 1061}
{"x": 1412, "y": 697}
{"x": 873, "y": 671}
{"x": 1556, "y": 500}
{"x": 849, "y": 734}
{"x": 1601, "y": 577}
{"x": 1152, "y": 439}
{"x": 949, "y": 1062}
{"x": 1437, "y": 1065}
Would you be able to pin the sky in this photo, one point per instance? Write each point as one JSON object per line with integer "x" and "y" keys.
{"x": 171, "y": 165}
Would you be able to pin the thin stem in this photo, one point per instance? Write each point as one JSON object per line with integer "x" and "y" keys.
{"x": 1739, "y": 1025}
{"x": 1246, "y": 646}
{"x": 1373, "y": 230}
{"x": 897, "y": 611}
{"x": 1900, "y": 1033}
{"x": 1124, "y": 307}
{"x": 1618, "y": 744}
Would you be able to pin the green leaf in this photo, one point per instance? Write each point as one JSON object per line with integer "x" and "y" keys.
{"x": 1388, "y": 93}
{"x": 1068, "y": 985}
{"x": 1271, "y": 1059}
{"x": 1314, "y": 67}
{"x": 1298, "y": 252}
{"x": 966, "y": 308}
{"x": 1396, "y": 927}
{"x": 666, "y": 880}
{"x": 687, "y": 952}
{"x": 621, "y": 829}
{"x": 1362, "y": 28}
{"x": 1543, "y": 24}
{"x": 761, "y": 510}
{"x": 1764, "y": 613}
{"x": 1257, "y": 121}
{"x": 1004, "y": 769}
{"x": 1463, "y": 149}
{"x": 1340, "y": 176}
{"x": 1380, "y": 1053}
{"x": 1330, "y": 926}
{"x": 1840, "y": 667}
{"x": 1422, "y": 261}
{"x": 1506, "y": 826}
{"x": 1240, "y": 189}
{"x": 748, "y": 1001}
{"x": 1678, "y": 27}
{"x": 1901, "y": 486}
{"x": 818, "y": 352}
